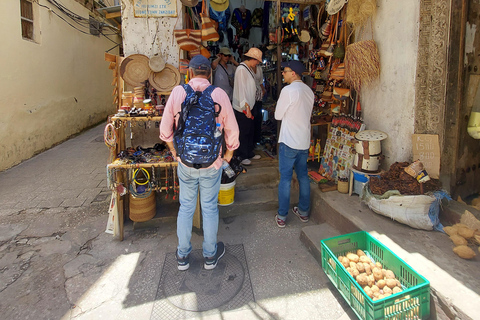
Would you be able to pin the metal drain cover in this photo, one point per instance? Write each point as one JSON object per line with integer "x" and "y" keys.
{"x": 198, "y": 289}
{"x": 183, "y": 294}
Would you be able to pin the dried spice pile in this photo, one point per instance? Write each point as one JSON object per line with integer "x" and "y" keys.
{"x": 397, "y": 179}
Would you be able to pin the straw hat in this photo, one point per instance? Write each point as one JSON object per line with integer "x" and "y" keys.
{"x": 134, "y": 69}
{"x": 219, "y": 5}
{"x": 189, "y": 3}
{"x": 156, "y": 63}
{"x": 165, "y": 80}
{"x": 304, "y": 36}
{"x": 254, "y": 53}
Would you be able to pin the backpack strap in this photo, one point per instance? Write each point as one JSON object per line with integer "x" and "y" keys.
{"x": 209, "y": 91}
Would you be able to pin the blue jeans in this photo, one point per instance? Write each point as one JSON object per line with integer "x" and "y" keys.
{"x": 191, "y": 181}
{"x": 288, "y": 160}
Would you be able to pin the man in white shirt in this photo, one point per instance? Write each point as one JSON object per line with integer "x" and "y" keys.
{"x": 294, "y": 109}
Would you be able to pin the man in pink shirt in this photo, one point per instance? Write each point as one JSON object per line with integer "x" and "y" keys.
{"x": 205, "y": 180}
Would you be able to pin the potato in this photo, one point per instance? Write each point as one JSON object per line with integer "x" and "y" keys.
{"x": 350, "y": 270}
{"x": 464, "y": 252}
{"x": 362, "y": 279}
{"x": 364, "y": 259}
{"x": 458, "y": 240}
{"x": 377, "y": 273}
{"x": 381, "y": 296}
{"x": 396, "y": 290}
{"x": 375, "y": 288}
{"x": 355, "y": 273}
{"x": 398, "y": 283}
{"x": 353, "y": 265}
{"x": 360, "y": 253}
{"x": 387, "y": 294}
{"x": 345, "y": 262}
{"x": 389, "y": 274}
{"x": 384, "y": 271}
{"x": 466, "y": 232}
{"x": 378, "y": 265}
{"x": 352, "y": 257}
{"x": 391, "y": 283}
{"x": 450, "y": 230}
{"x": 381, "y": 284}
{"x": 376, "y": 294}
{"x": 368, "y": 291}
{"x": 368, "y": 269}
{"x": 360, "y": 267}
{"x": 340, "y": 258}
{"x": 476, "y": 238}
{"x": 371, "y": 280}
{"x": 387, "y": 290}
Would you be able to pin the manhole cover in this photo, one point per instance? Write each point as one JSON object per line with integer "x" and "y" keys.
{"x": 182, "y": 294}
{"x": 198, "y": 289}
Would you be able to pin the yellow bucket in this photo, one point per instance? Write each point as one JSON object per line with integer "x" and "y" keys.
{"x": 226, "y": 195}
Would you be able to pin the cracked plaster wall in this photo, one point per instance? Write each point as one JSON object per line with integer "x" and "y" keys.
{"x": 389, "y": 104}
{"x": 52, "y": 87}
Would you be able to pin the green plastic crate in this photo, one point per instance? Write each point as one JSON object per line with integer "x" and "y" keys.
{"x": 412, "y": 303}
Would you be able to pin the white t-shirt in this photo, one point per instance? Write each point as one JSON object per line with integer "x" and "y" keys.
{"x": 244, "y": 88}
{"x": 294, "y": 108}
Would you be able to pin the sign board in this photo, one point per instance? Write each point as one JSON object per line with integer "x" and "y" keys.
{"x": 155, "y": 8}
{"x": 427, "y": 149}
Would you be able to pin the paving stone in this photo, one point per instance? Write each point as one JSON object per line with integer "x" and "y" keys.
{"x": 74, "y": 202}
{"x": 51, "y": 203}
{"x": 7, "y": 212}
{"x": 24, "y": 205}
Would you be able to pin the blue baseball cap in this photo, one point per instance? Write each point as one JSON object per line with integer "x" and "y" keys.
{"x": 295, "y": 65}
{"x": 199, "y": 62}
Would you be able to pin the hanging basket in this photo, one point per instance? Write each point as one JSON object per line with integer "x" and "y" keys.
{"x": 143, "y": 209}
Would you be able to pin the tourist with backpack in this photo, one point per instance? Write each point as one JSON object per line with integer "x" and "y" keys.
{"x": 244, "y": 93}
{"x": 197, "y": 119}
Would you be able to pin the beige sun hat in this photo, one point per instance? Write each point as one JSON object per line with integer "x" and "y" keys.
{"x": 219, "y": 5}
{"x": 156, "y": 62}
{"x": 134, "y": 69}
{"x": 226, "y": 51}
{"x": 189, "y": 3}
{"x": 254, "y": 53}
{"x": 165, "y": 80}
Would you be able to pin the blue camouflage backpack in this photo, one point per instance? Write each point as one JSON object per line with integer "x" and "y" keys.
{"x": 196, "y": 139}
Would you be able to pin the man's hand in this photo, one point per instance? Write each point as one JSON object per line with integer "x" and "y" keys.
{"x": 228, "y": 155}
{"x": 248, "y": 112}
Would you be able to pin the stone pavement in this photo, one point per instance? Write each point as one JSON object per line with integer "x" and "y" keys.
{"x": 56, "y": 261}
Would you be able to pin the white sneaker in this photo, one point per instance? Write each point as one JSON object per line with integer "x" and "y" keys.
{"x": 256, "y": 157}
{"x": 246, "y": 162}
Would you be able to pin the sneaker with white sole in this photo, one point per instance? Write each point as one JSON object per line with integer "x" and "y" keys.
{"x": 256, "y": 157}
{"x": 182, "y": 263}
{"x": 211, "y": 263}
{"x": 296, "y": 212}
{"x": 280, "y": 222}
{"x": 246, "y": 162}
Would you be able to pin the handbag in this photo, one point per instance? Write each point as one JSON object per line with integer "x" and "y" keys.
{"x": 338, "y": 73}
{"x": 209, "y": 33}
{"x": 183, "y": 66}
{"x": 188, "y": 39}
{"x": 200, "y": 50}
{"x": 341, "y": 93}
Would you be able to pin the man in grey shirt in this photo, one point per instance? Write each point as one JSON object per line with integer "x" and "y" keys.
{"x": 224, "y": 71}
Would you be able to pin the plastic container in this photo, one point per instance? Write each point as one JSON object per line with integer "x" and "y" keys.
{"x": 412, "y": 303}
{"x": 226, "y": 195}
{"x": 227, "y": 169}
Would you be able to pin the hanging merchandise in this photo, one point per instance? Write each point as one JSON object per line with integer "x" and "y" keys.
{"x": 219, "y": 5}
{"x": 362, "y": 63}
{"x": 221, "y": 17}
{"x": 257, "y": 18}
{"x": 156, "y": 62}
{"x": 200, "y": 50}
{"x": 290, "y": 23}
{"x": 359, "y": 11}
{"x": 209, "y": 33}
{"x": 188, "y": 39}
{"x": 241, "y": 21}
{"x": 189, "y": 3}
{"x": 134, "y": 69}
{"x": 334, "y": 6}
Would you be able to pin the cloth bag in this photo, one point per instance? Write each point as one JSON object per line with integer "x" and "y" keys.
{"x": 209, "y": 33}
{"x": 188, "y": 39}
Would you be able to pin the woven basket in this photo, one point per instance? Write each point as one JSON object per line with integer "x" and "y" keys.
{"x": 143, "y": 209}
{"x": 342, "y": 186}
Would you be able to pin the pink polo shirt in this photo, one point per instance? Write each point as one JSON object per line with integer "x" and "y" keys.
{"x": 226, "y": 118}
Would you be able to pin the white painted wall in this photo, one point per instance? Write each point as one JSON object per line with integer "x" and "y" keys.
{"x": 389, "y": 104}
{"x": 52, "y": 87}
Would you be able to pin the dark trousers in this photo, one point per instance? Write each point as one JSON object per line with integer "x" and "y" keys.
{"x": 245, "y": 126}
{"x": 257, "y": 121}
